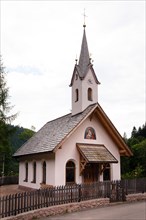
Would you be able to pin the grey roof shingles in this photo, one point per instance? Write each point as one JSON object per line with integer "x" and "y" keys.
{"x": 52, "y": 133}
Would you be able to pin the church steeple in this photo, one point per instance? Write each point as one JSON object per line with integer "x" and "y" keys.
{"x": 84, "y": 82}
{"x": 84, "y": 60}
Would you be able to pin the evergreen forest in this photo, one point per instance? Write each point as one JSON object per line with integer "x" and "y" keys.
{"x": 135, "y": 166}
{"x": 16, "y": 138}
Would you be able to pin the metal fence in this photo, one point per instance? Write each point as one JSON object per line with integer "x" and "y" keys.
{"x": 23, "y": 202}
{"x": 7, "y": 180}
{"x": 134, "y": 185}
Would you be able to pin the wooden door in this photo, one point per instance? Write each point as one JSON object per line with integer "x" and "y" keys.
{"x": 90, "y": 173}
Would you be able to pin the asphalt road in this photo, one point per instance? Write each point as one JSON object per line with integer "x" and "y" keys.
{"x": 124, "y": 211}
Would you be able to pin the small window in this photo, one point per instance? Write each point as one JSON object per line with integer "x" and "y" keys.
{"x": 77, "y": 95}
{"x": 34, "y": 172}
{"x": 26, "y": 172}
{"x": 90, "y": 94}
{"x": 70, "y": 172}
{"x": 76, "y": 76}
{"x": 44, "y": 173}
{"x": 90, "y": 133}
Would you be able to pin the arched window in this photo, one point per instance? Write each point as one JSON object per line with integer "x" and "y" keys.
{"x": 90, "y": 98}
{"x": 77, "y": 95}
{"x": 70, "y": 172}
{"x": 34, "y": 172}
{"x": 106, "y": 173}
{"x": 26, "y": 172}
{"x": 90, "y": 133}
{"x": 44, "y": 173}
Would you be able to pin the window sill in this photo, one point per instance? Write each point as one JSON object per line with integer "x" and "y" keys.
{"x": 33, "y": 181}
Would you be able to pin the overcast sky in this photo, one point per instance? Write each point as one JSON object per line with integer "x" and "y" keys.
{"x": 39, "y": 44}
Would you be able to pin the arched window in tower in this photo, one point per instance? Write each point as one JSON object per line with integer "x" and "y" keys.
{"x": 90, "y": 98}
{"x": 70, "y": 172}
{"x": 77, "y": 95}
{"x": 90, "y": 133}
{"x": 44, "y": 173}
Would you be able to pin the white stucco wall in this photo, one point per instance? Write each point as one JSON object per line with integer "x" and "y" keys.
{"x": 70, "y": 152}
{"x": 50, "y": 174}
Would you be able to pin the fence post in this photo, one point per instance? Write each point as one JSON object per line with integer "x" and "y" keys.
{"x": 79, "y": 192}
{"x": 123, "y": 190}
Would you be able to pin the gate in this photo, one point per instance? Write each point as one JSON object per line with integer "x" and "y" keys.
{"x": 117, "y": 191}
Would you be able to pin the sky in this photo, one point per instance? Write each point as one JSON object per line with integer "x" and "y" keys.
{"x": 40, "y": 41}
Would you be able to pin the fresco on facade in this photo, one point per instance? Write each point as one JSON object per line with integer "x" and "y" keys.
{"x": 90, "y": 133}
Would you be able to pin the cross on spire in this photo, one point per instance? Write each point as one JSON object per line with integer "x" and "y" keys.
{"x": 84, "y": 25}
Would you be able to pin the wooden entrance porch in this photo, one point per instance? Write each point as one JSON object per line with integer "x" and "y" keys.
{"x": 94, "y": 160}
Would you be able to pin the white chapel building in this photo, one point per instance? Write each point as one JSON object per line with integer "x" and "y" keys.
{"x": 80, "y": 147}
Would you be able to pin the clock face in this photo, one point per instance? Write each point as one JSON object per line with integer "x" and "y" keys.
{"x": 89, "y": 81}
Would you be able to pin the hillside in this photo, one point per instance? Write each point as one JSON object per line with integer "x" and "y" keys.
{"x": 135, "y": 166}
{"x": 17, "y": 137}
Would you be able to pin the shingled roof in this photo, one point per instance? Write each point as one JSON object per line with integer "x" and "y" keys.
{"x": 52, "y": 133}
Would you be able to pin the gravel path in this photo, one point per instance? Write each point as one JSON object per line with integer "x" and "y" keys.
{"x": 10, "y": 189}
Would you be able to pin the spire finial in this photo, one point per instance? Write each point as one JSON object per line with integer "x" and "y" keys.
{"x": 84, "y": 25}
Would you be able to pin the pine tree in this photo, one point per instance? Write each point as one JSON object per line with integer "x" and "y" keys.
{"x": 5, "y": 119}
{"x": 4, "y": 96}
{"x": 134, "y": 132}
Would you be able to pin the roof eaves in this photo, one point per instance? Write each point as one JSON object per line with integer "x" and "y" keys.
{"x": 73, "y": 75}
{"x": 20, "y": 151}
{"x": 76, "y": 69}
{"x": 83, "y": 155}
{"x": 95, "y": 145}
{"x": 30, "y": 154}
{"x": 115, "y": 132}
{"x": 75, "y": 127}
{"x": 94, "y": 75}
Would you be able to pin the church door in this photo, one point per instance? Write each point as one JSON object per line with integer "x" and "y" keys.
{"x": 90, "y": 173}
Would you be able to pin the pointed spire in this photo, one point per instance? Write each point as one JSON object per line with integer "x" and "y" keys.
{"x": 84, "y": 55}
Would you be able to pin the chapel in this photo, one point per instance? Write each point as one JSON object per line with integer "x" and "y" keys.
{"x": 81, "y": 147}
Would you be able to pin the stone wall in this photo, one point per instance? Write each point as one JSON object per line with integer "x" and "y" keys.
{"x": 60, "y": 209}
{"x": 136, "y": 197}
{"x": 72, "y": 207}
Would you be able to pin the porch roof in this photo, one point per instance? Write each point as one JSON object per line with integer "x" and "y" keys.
{"x": 96, "y": 153}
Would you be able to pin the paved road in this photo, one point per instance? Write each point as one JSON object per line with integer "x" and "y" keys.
{"x": 126, "y": 211}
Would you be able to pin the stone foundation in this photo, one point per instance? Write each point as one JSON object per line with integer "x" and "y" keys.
{"x": 136, "y": 197}
{"x": 72, "y": 207}
{"x": 60, "y": 209}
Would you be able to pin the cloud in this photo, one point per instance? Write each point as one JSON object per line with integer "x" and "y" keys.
{"x": 25, "y": 70}
{"x": 39, "y": 43}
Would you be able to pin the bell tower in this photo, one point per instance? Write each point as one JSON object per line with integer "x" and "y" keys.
{"x": 84, "y": 82}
